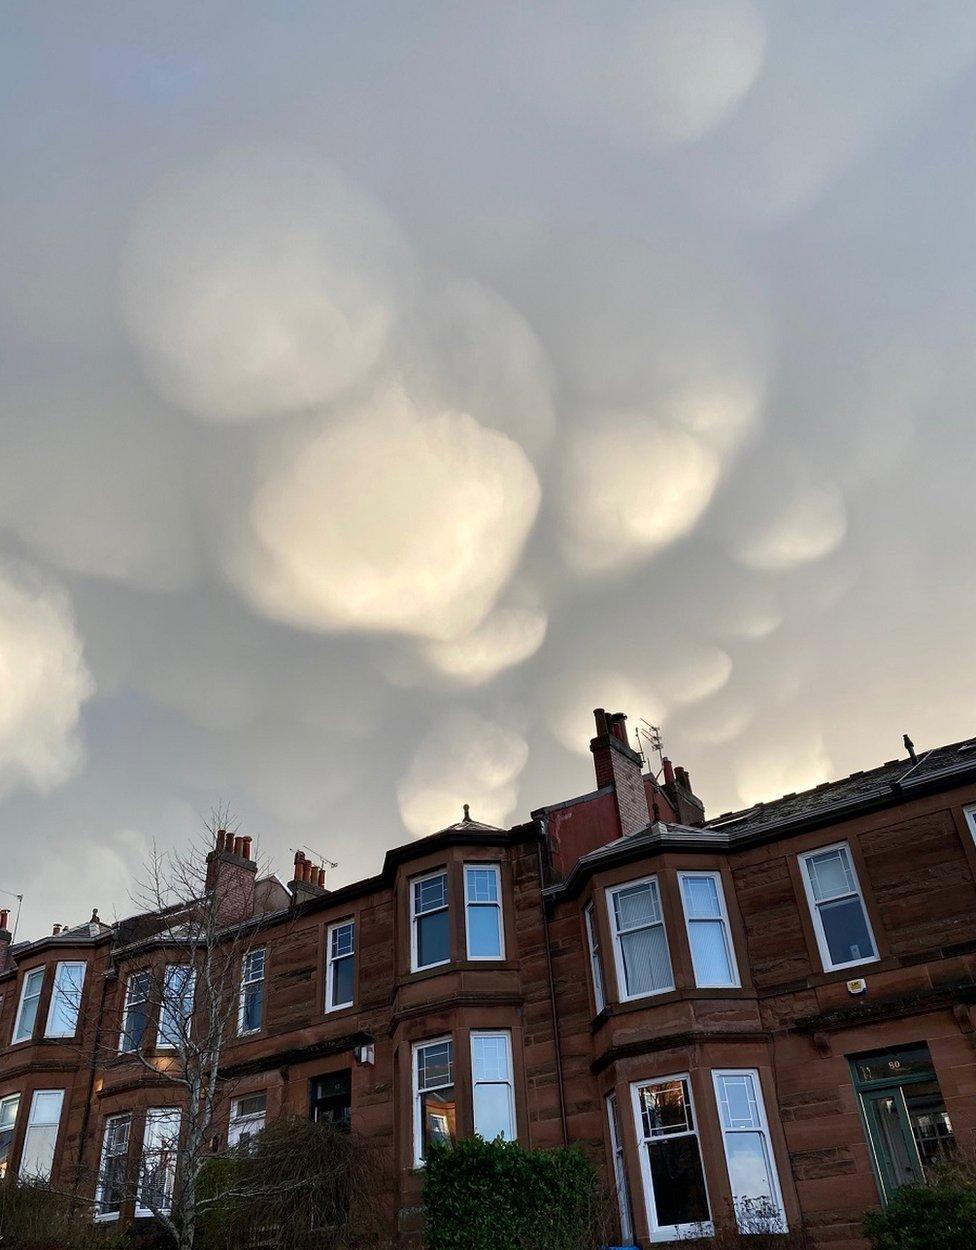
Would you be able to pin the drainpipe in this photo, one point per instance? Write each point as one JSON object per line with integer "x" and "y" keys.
{"x": 552, "y": 993}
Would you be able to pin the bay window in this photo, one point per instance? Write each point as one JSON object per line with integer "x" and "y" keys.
{"x": 483, "y": 911}
{"x": 840, "y": 918}
{"x": 430, "y": 941}
{"x": 37, "y": 1158}
{"x": 135, "y": 1015}
{"x": 157, "y": 1170}
{"x": 670, "y": 1156}
{"x": 62, "y": 1015}
{"x": 111, "y": 1192}
{"x": 435, "y": 1107}
{"x": 593, "y": 945}
{"x": 707, "y": 923}
{"x": 247, "y": 1116}
{"x": 176, "y": 1007}
{"x": 340, "y": 968}
{"x": 756, "y": 1196}
{"x": 250, "y": 1011}
{"x": 8, "y": 1122}
{"x": 621, "y": 1185}
{"x": 641, "y": 955}
{"x": 30, "y": 997}
{"x": 491, "y": 1080}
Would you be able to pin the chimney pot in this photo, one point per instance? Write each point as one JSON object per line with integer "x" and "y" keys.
{"x": 600, "y": 717}
{"x": 221, "y": 839}
{"x": 668, "y": 771}
{"x": 246, "y": 842}
{"x": 321, "y": 878}
{"x": 618, "y": 727}
{"x": 238, "y": 847}
{"x": 4, "y": 917}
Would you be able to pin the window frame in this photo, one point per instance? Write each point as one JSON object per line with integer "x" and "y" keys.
{"x": 618, "y": 1161}
{"x": 55, "y": 1124}
{"x": 57, "y": 991}
{"x": 669, "y": 1232}
{"x": 969, "y": 815}
{"x": 715, "y": 875}
{"x": 813, "y": 907}
{"x": 506, "y": 1034}
{"x": 15, "y": 1040}
{"x": 237, "y": 1122}
{"x": 101, "y": 1216}
{"x": 245, "y": 982}
{"x": 331, "y": 960}
{"x": 618, "y": 954}
{"x": 415, "y": 916}
{"x": 154, "y": 1116}
{"x": 418, "y": 1128}
{"x": 189, "y": 990}
{"x": 124, "y": 1048}
{"x": 763, "y": 1129}
{"x": 5, "y": 1100}
{"x": 496, "y": 869}
{"x": 593, "y": 949}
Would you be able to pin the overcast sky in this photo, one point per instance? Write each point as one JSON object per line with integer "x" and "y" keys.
{"x": 387, "y": 385}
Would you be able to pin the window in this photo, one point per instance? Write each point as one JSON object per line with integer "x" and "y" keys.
{"x": 340, "y": 968}
{"x": 112, "y": 1169}
{"x": 247, "y": 1117}
{"x": 431, "y": 940}
{"x": 620, "y": 1172}
{"x": 250, "y": 1015}
{"x": 745, "y": 1134}
{"x": 435, "y": 1110}
{"x": 596, "y": 969}
{"x": 37, "y": 1158}
{"x": 30, "y": 996}
{"x": 136, "y": 1012}
{"x": 483, "y": 911}
{"x": 176, "y": 1006}
{"x": 670, "y": 1157}
{"x": 640, "y": 942}
{"x": 970, "y": 815}
{"x": 494, "y": 1093}
{"x": 839, "y": 916}
{"x": 904, "y": 1113}
{"x": 707, "y": 921}
{"x": 8, "y": 1120}
{"x": 158, "y": 1167}
{"x": 62, "y": 1016}
{"x": 331, "y": 1099}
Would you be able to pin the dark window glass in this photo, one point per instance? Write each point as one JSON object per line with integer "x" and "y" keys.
{"x": 846, "y": 931}
{"x": 894, "y": 1065}
{"x": 679, "y": 1187}
{"x": 433, "y": 939}
{"x": 331, "y": 1099}
{"x": 343, "y": 981}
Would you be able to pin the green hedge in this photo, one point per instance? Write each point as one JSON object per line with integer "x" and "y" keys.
{"x": 482, "y": 1195}
{"x": 937, "y": 1216}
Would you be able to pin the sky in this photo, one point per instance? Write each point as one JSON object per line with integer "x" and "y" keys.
{"x": 385, "y": 386}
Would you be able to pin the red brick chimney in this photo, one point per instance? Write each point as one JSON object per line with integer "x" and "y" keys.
{"x": 5, "y": 939}
{"x": 688, "y": 807}
{"x": 230, "y": 877}
{"x": 617, "y": 764}
{"x": 308, "y": 881}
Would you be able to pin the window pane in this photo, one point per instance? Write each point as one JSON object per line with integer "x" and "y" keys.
{"x": 636, "y": 905}
{"x": 430, "y": 893}
{"x": 665, "y": 1109}
{"x": 749, "y": 1176}
{"x": 41, "y": 1138}
{"x": 253, "y": 1007}
{"x": 439, "y": 1116}
{"x": 433, "y": 939}
{"x": 66, "y": 1000}
{"x": 493, "y": 1112}
{"x": 710, "y": 953}
{"x": 343, "y": 940}
{"x": 489, "y": 1058}
{"x": 646, "y": 963}
{"x": 8, "y": 1119}
{"x": 830, "y": 874}
{"x": 701, "y": 897}
{"x": 679, "y": 1185}
{"x": 343, "y": 981}
{"x": 737, "y": 1101}
{"x": 484, "y": 936}
{"x": 435, "y": 1064}
{"x": 482, "y": 885}
{"x": 846, "y": 930}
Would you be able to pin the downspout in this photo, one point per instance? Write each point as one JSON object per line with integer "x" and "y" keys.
{"x": 552, "y": 992}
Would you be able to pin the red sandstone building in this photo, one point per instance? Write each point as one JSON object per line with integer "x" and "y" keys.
{"x": 773, "y": 1010}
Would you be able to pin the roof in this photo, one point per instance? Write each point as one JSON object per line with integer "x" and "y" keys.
{"x": 858, "y": 787}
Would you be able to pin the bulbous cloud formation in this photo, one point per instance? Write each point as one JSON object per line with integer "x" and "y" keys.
{"x": 464, "y": 758}
{"x": 392, "y": 519}
{"x": 809, "y": 526}
{"x": 509, "y": 636}
{"x": 260, "y": 283}
{"x": 43, "y": 684}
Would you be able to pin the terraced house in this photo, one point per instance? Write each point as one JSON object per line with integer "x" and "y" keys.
{"x": 771, "y": 1011}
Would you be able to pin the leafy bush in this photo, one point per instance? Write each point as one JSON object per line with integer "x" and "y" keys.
{"x": 34, "y": 1218}
{"x": 482, "y": 1195}
{"x": 940, "y": 1215}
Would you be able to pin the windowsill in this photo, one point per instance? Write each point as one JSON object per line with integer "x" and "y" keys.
{"x": 845, "y": 968}
{"x": 106, "y": 1217}
{"x": 332, "y": 1013}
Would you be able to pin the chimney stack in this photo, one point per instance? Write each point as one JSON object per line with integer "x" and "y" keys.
{"x": 688, "y": 807}
{"x": 618, "y": 765}
{"x": 230, "y": 877}
{"x": 307, "y": 882}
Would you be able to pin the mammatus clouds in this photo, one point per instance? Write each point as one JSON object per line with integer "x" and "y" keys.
{"x": 387, "y": 387}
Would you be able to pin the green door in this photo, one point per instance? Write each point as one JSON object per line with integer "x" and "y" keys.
{"x": 895, "y": 1153}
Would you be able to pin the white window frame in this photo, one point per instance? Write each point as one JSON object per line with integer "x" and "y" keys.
{"x": 669, "y": 1232}
{"x": 59, "y": 991}
{"x": 814, "y": 907}
{"x": 16, "y": 1039}
{"x": 593, "y": 946}
{"x": 32, "y": 1124}
{"x": 415, "y": 966}
{"x": 715, "y": 876}
{"x": 157, "y": 1116}
{"x": 619, "y": 1161}
{"x": 106, "y": 1217}
{"x": 124, "y": 1047}
{"x": 969, "y": 813}
{"x": 469, "y": 903}
{"x": 418, "y": 1127}
{"x": 618, "y": 954}
{"x": 5, "y": 1101}
{"x": 331, "y": 960}
{"x": 506, "y": 1036}
{"x": 241, "y": 1124}
{"x": 252, "y": 980}
{"x": 189, "y": 992}
{"x": 762, "y": 1128}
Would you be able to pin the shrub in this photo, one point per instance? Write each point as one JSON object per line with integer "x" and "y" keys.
{"x": 34, "y": 1218}
{"x": 940, "y": 1215}
{"x": 482, "y": 1195}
